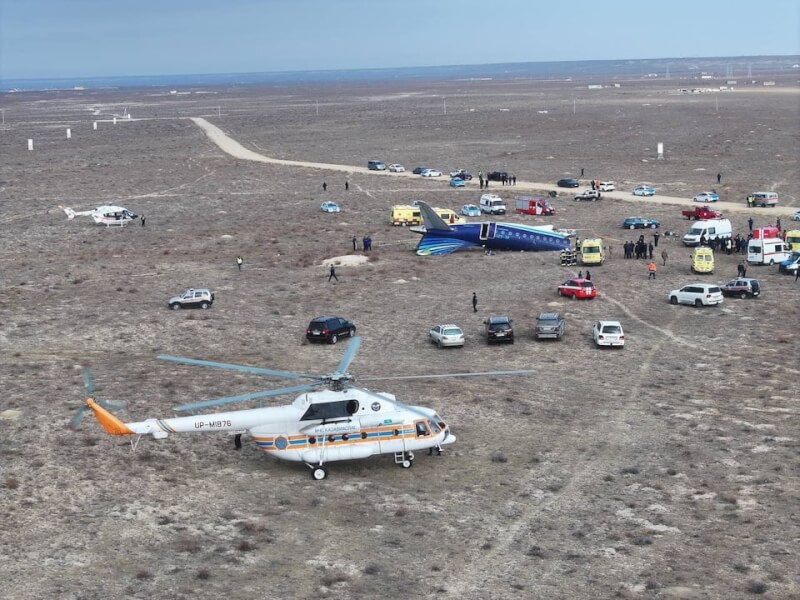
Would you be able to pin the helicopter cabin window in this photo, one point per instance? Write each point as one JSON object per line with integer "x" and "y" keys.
{"x": 331, "y": 410}
{"x": 422, "y": 428}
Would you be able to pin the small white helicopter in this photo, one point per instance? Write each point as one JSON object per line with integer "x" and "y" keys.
{"x": 343, "y": 422}
{"x": 104, "y": 215}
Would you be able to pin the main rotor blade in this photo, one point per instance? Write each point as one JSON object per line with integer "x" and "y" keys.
{"x": 250, "y": 396}
{"x": 349, "y": 354}
{"x": 233, "y": 367}
{"x": 88, "y": 380}
{"x": 443, "y": 375}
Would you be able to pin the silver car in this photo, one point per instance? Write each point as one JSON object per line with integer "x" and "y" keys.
{"x": 447, "y": 335}
{"x": 549, "y": 325}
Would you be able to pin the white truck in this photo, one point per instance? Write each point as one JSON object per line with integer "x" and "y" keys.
{"x": 767, "y": 251}
{"x": 707, "y": 230}
{"x": 492, "y": 204}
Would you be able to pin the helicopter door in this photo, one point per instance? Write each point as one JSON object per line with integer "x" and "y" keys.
{"x": 487, "y": 231}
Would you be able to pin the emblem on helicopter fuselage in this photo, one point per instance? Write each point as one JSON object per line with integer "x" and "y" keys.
{"x": 376, "y": 406}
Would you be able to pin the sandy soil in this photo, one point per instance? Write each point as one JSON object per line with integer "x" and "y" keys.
{"x": 668, "y": 469}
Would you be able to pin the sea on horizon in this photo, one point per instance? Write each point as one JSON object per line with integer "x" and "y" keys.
{"x": 722, "y": 67}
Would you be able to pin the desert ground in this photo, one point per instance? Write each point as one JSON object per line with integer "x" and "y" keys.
{"x": 667, "y": 469}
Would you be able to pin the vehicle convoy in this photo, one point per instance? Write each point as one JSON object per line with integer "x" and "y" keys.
{"x": 704, "y": 231}
{"x": 702, "y": 260}
{"x": 588, "y": 195}
{"x": 701, "y": 213}
{"x": 492, "y": 204}
{"x": 592, "y": 252}
{"x": 530, "y": 205}
{"x": 767, "y": 251}
{"x": 192, "y": 298}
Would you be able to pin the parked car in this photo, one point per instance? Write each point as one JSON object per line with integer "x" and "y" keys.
{"x": 461, "y": 174}
{"x": 697, "y": 294}
{"x": 329, "y": 329}
{"x": 644, "y": 190}
{"x": 447, "y": 335}
{"x": 706, "y": 197}
{"x": 192, "y": 298}
{"x": 419, "y": 170}
{"x": 701, "y": 213}
{"x": 471, "y": 210}
{"x": 568, "y": 182}
{"x": 741, "y": 287}
{"x": 549, "y": 325}
{"x": 791, "y": 264}
{"x": 588, "y": 195}
{"x": 376, "y": 165}
{"x": 606, "y": 186}
{"x": 641, "y": 223}
{"x": 497, "y": 176}
{"x": 499, "y": 329}
{"x": 608, "y": 333}
{"x": 397, "y": 168}
{"x": 330, "y": 207}
{"x": 796, "y": 216}
{"x": 457, "y": 182}
{"x": 577, "y": 287}
{"x": 431, "y": 173}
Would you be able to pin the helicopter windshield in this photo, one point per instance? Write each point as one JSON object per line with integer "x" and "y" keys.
{"x": 437, "y": 424}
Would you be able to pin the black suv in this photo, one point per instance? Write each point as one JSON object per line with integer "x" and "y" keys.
{"x": 498, "y": 329}
{"x": 329, "y": 329}
{"x": 497, "y": 176}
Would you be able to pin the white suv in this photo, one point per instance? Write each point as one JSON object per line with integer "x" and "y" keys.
{"x": 698, "y": 294}
{"x": 192, "y": 298}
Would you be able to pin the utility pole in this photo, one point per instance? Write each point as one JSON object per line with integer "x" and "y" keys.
{"x": 317, "y": 107}
{"x": 444, "y": 104}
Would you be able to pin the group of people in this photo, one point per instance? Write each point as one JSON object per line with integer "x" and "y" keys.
{"x": 737, "y": 244}
{"x": 638, "y": 249}
{"x": 325, "y": 186}
{"x": 504, "y": 180}
{"x": 366, "y": 243}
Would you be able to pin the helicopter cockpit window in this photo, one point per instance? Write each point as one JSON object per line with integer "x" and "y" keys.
{"x": 437, "y": 424}
{"x": 422, "y": 428}
{"x": 330, "y": 410}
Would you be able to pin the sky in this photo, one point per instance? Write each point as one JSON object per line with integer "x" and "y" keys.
{"x": 92, "y": 38}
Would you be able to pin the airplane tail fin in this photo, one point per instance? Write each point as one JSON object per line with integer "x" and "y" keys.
{"x": 69, "y": 211}
{"x": 108, "y": 421}
{"x": 430, "y": 219}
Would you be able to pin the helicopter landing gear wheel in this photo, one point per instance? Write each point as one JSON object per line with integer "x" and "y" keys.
{"x": 407, "y": 464}
{"x": 318, "y": 473}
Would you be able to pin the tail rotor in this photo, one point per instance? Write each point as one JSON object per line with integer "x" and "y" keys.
{"x": 88, "y": 384}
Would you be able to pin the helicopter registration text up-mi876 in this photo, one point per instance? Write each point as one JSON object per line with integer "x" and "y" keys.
{"x": 343, "y": 422}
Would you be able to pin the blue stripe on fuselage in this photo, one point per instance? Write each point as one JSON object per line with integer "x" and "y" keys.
{"x": 507, "y": 236}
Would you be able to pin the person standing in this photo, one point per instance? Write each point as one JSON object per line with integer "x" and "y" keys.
{"x": 581, "y": 171}
{"x": 750, "y": 223}
{"x": 656, "y": 235}
{"x": 778, "y": 223}
{"x": 474, "y": 302}
{"x": 239, "y": 261}
{"x": 346, "y": 185}
{"x": 588, "y": 275}
{"x": 355, "y": 243}
{"x": 332, "y": 274}
{"x": 719, "y": 177}
{"x": 142, "y": 218}
{"x": 664, "y": 256}
{"x": 796, "y": 274}
{"x": 744, "y": 267}
{"x": 651, "y": 270}
{"x": 739, "y": 270}
{"x": 324, "y": 186}
{"x": 650, "y": 250}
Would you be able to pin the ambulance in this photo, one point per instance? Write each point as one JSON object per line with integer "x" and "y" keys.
{"x": 702, "y": 260}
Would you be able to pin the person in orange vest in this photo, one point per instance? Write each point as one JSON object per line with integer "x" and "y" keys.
{"x": 651, "y": 269}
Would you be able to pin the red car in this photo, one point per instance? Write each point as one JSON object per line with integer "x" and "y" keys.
{"x": 577, "y": 287}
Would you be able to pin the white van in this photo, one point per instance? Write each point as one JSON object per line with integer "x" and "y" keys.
{"x": 492, "y": 204}
{"x": 767, "y": 251}
{"x": 763, "y": 199}
{"x": 709, "y": 230}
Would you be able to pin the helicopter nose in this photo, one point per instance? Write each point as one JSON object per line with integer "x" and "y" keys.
{"x": 450, "y": 439}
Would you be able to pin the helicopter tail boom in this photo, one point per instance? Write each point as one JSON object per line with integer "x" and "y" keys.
{"x": 109, "y": 422}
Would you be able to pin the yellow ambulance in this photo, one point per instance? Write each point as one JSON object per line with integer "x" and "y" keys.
{"x": 702, "y": 260}
{"x": 592, "y": 252}
{"x": 406, "y": 214}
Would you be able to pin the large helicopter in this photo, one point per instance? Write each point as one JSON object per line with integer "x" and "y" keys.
{"x": 342, "y": 422}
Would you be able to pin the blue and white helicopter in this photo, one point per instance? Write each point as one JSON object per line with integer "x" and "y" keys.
{"x": 439, "y": 237}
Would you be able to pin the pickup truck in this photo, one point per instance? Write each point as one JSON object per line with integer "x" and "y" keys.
{"x": 528, "y": 205}
{"x": 701, "y": 213}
